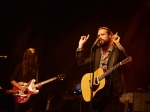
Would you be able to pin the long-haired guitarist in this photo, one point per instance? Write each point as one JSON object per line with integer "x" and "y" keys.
{"x": 107, "y": 52}
{"x": 24, "y": 72}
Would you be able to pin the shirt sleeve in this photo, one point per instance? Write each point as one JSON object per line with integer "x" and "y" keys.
{"x": 16, "y": 73}
{"x": 81, "y": 60}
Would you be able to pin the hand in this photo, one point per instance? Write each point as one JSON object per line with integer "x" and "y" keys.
{"x": 116, "y": 38}
{"x": 22, "y": 86}
{"x": 83, "y": 40}
{"x": 23, "y": 89}
{"x": 39, "y": 86}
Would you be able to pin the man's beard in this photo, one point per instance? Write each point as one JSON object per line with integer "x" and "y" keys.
{"x": 103, "y": 43}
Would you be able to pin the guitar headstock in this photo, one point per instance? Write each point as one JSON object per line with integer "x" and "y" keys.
{"x": 126, "y": 61}
{"x": 61, "y": 76}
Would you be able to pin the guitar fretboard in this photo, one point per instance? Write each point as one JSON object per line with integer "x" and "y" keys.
{"x": 108, "y": 71}
{"x": 44, "y": 82}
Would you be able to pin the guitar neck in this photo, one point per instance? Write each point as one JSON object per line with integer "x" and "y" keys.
{"x": 44, "y": 82}
{"x": 109, "y": 71}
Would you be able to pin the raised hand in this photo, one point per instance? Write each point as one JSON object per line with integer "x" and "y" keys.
{"x": 83, "y": 40}
{"x": 116, "y": 38}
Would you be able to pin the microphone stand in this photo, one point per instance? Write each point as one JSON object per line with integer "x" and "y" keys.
{"x": 92, "y": 75}
{"x": 48, "y": 105}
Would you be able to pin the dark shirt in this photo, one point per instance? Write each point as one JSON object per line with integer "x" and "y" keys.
{"x": 18, "y": 75}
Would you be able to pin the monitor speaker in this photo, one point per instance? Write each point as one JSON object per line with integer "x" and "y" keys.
{"x": 141, "y": 102}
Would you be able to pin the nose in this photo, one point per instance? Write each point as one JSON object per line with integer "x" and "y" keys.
{"x": 99, "y": 36}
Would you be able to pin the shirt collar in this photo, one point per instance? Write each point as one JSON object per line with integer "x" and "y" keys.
{"x": 110, "y": 48}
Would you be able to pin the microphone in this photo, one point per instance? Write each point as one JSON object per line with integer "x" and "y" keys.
{"x": 3, "y": 57}
{"x": 97, "y": 40}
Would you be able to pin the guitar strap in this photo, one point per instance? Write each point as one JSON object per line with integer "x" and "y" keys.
{"x": 37, "y": 76}
{"x": 113, "y": 53}
{"x": 113, "y": 58}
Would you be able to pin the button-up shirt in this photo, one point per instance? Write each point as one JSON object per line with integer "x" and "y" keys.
{"x": 104, "y": 61}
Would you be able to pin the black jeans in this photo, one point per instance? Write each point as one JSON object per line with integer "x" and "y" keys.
{"x": 28, "y": 106}
{"x": 107, "y": 103}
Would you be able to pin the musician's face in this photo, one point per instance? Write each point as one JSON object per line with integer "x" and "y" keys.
{"x": 104, "y": 37}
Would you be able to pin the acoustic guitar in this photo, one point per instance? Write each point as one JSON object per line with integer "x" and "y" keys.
{"x": 100, "y": 84}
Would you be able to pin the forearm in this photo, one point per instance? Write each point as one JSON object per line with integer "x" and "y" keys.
{"x": 116, "y": 41}
{"x": 15, "y": 84}
{"x": 79, "y": 56}
{"x": 121, "y": 49}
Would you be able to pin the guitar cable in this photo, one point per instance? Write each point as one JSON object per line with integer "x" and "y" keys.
{"x": 81, "y": 104}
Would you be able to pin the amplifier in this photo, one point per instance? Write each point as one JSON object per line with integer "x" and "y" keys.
{"x": 141, "y": 102}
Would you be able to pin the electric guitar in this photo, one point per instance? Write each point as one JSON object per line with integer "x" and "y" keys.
{"x": 100, "y": 84}
{"x": 22, "y": 97}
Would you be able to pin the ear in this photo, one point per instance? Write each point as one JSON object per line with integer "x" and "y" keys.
{"x": 110, "y": 38}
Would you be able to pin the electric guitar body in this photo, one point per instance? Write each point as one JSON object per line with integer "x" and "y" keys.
{"x": 22, "y": 97}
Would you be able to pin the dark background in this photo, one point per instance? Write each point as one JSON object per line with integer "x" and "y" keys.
{"x": 54, "y": 27}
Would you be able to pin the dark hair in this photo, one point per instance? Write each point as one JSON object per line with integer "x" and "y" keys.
{"x": 29, "y": 61}
{"x": 108, "y": 30}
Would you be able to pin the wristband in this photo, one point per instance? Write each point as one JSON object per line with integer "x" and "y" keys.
{"x": 79, "y": 49}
